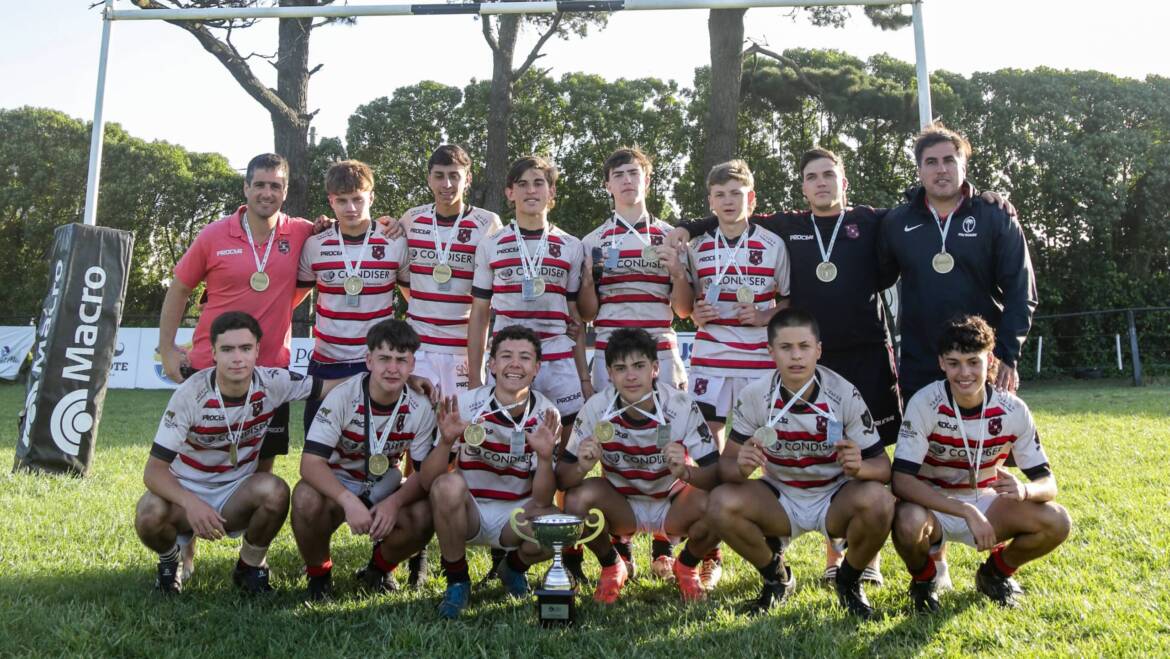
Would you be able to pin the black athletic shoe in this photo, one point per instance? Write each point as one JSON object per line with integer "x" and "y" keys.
{"x": 497, "y": 556}
{"x": 998, "y": 589}
{"x": 251, "y": 580}
{"x": 852, "y": 597}
{"x": 772, "y": 594}
{"x": 577, "y": 574}
{"x": 169, "y": 580}
{"x": 924, "y": 596}
{"x": 373, "y": 580}
{"x": 320, "y": 588}
{"x": 419, "y": 570}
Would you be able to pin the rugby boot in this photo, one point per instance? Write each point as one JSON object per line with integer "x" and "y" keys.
{"x": 609, "y": 586}
{"x": 852, "y": 597}
{"x": 996, "y": 587}
{"x": 773, "y": 593}
{"x": 690, "y": 587}
{"x": 170, "y": 579}
{"x": 924, "y": 596}
{"x": 251, "y": 580}
{"x": 455, "y": 599}
{"x": 711, "y": 571}
{"x": 320, "y": 588}
{"x": 515, "y": 583}
{"x": 872, "y": 574}
{"x": 419, "y": 570}
{"x": 663, "y": 567}
{"x": 373, "y": 580}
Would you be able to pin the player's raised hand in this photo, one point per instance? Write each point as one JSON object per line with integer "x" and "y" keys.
{"x": 357, "y": 516}
{"x": 981, "y": 529}
{"x": 1007, "y": 485}
{"x": 385, "y": 516}
{"x": 451, "y": 424}
{"x": 391, "y": 228}
{"x": 204, "y": 521}
{"x": 671, "y": 258}
{"x": 676, "y": 460}
{"x": 704, "y": 312}
{"x": 849, "y": 457}
{"x": 750, "y": 458}
{"x": 678, "y": 237}
{"x": 323, "y": 223}
{"x": 544, "y": 439}
{"x": 588, "y": 453}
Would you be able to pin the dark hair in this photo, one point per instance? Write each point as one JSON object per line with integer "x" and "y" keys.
{"x": 449, "y": 154}
{"x": 233, "y": 320}
{"x": 732, "y": 170}
{"x": 348, "y": 176}
{"x": 526, "y": 163}
{"x": 515, "y": 333}
{"x": 937, "y": 133}
{"x": 791, "y": 317}
{"x": 392, "y": 334}
{"x": 266, "y": 161}
{"x": 816, "y": 153}
{"x": 969, "y": 335}
{"x": 630, "y": 341}
{"x": 625, "y": 156}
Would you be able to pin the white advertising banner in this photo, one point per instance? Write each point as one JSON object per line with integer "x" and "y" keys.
{"x": 15, "y": 344}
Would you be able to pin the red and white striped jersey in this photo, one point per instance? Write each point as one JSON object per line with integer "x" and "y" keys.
{"x": 499, "y": 274}
{"x": 341, "y": 327}
{"x": 724, "y": 347}
{"x": 439, "y": 312}
{"x": 490, "y": 469}
{"x": 193, "y": 427}
{"x": 930, "y": 445}
{"x": 804, "y": 460}
{"x": 338, "y": 432}
{"x": 636, "y": 292}
{"x": 632, "y": 461}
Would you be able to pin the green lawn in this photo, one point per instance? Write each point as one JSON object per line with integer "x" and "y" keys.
{"x": 74, "y": 579}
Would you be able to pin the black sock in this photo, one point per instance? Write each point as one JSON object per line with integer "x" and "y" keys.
{"x": 661, "y": 548}
{"x": 516, "y": 563}
{"x": 771, "y": 571}
{"x": 687, "y": 558}
{"x": 574, "y": 559}
{"x": 497, "y": 556}
{"x": 622, "y": 548}
{"x": 610, "y": 559}
{"x": 456, "y": 571}
{"x": 847, "y": 574}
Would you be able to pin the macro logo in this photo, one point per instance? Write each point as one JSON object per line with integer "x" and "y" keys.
{"x": 71, "y": 417}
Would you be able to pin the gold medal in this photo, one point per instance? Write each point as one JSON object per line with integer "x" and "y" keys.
{"x": 974, "y": 479}
{"x": 603, "y": 431}
{"x": 475, "y": 434}
{"x": 766, "y": 436}
{"x": 826, "y": 271}
{"x": 943, "y": 263}
{"x": 379, "y": 464}
{"x": 353, "y": 285}
{"x": 650, "y": 253}
{"x": 234, "y": 454}
{"x": 538, "y": 287}
{"x": 258, "y": 281}
{"x": 745, "y": 295}
{"x": 442, "y": 273}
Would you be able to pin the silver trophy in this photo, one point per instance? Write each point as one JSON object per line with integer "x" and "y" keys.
{"x": 555, "y": 601}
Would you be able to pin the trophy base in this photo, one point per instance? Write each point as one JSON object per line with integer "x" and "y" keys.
{"x": 556, "y": 607}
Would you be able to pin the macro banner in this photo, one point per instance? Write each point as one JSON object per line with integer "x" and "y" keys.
{"x": 73, "y": 348}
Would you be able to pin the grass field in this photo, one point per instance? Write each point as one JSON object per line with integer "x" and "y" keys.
{"x": 74, "y": 579}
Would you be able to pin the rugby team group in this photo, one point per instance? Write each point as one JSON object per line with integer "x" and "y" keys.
{"x": 408, "y": 436}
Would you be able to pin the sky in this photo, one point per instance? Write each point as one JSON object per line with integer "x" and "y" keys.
{"x": 162, "y": 85}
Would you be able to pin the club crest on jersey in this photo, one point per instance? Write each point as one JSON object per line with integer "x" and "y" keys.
{"x": 852, "y": 232}
{"x": 464, "y": 235}
{"x": 283, "y": 246}
{"x": 995, "y": 426}
{"x": 379, "y": 252}
{"x": 655, "y": 239}
{"x": 700, "y": 386}
{"x": 822, "y": 424}
{"x": 257, "y": 407}
{"x": 400, "y": 423}
{"x": 755, "y": 256}
{"x": 554, "y": 250}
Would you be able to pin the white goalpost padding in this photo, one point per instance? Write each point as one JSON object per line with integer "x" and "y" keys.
{"x": 109, "y": 14}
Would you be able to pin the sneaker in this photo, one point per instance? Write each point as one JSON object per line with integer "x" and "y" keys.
{"x": 690, "y": 585}
{"x": 455, "y": 599}
{"x": 772, "y": 594}
{"x": 852, "y": 598}
{"x": 924, "y": 596}
{"x": 609, "y": 586}
{"x": 251, "y": 580}
{"x": 942, "y": 577}
{"x": 872, "y": 575}
{"x": 419, "y": 570}
{"x": 515, "y": 583}
{"x": 829, "y": 576}
{"x": 373, "y": 580}
{"x": 169, "y": 580}
{"x": 711, "y": 571}
{"x": 998, "y": 589}
{"x": 320, "y": 588}
{"x": 662, "y": 567}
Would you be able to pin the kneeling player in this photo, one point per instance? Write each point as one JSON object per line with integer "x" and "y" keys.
{"x": 950, "y": 492}
{"x": 350, "y": 469}
{"x": 643, "y": 434}
{"x": 824, "y": 468}
{"x": 501, "y": 439}
{"x": 215, "y": 425}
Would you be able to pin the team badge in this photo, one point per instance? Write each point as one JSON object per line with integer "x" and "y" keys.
{"x": 700, "y": 386}
{"x": 554, "y": 250}
{"x": 656, "y": 239}
{"x": 283, "y": 246}
{"x": 401, "y": 422}
{"x": 969, "y": 224}
{"x": 851, "y": 231}
{"x": 379, "y": 252}
{"x": 867, "y": 419}
{"x": 464, "y": 235}
{"x": 995, "y": 426}
{"x": 822, "y": 424}
{"x": 755, "y": 256}
{"x": 257, "y": 407}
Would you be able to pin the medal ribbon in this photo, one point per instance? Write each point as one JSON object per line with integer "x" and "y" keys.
{"x": 531, "y": 264}
{"x": 655, "y": 416}
{"x": 774, "y": 418}
{"x": 825, "y": 253}
{"x": 252, "y": 243}
{"x": 443, "y": 252}
{"x": 500, "y": 407}
{"x": 943, "y": 228}
{"x": 618, "y": 219}
{"x": 353, "y": 270}
{"x": 720, "y": 272}
{"x": 978, "y": 456}
{"x": 234, "y": 436}
{"x": 377, "y": 441}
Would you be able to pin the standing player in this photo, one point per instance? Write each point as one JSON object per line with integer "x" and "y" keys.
{"x": 501, "y": 439}
{"x": 658, "y": 458}
{"x": 216, "y": 425}
{"x": 355, "y": 270}
{"x": 441, "y": 241}
{"x": 824, "y": 468}
{"x": 351, "y": 469}
{"x": 947, "y": 472}
{"x": 529, "y": 273}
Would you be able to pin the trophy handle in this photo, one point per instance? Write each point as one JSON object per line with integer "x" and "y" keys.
{"x": 597, "y": 527}
{"x": 516, "y": 526}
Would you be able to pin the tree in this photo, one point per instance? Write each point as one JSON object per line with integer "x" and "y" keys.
{"x": 288, "y": 104}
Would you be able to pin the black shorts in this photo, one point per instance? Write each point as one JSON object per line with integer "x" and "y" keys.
{"x": 872, "y": 370}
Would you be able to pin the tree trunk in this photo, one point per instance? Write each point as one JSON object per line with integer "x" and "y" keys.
{"x": 499, "y": 114}
{"x": 291, "y": 136}
{"x": 725, "y": 27}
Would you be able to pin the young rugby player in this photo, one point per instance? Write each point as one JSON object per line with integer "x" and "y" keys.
{"x": 501, "y": 439}
{"x": 948, "y": 472}
{"x": 824, "y": 468}
{"x": 657, "y": 457}
{"x": 214, "y": 425}
{"x": 351, "y": 469}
